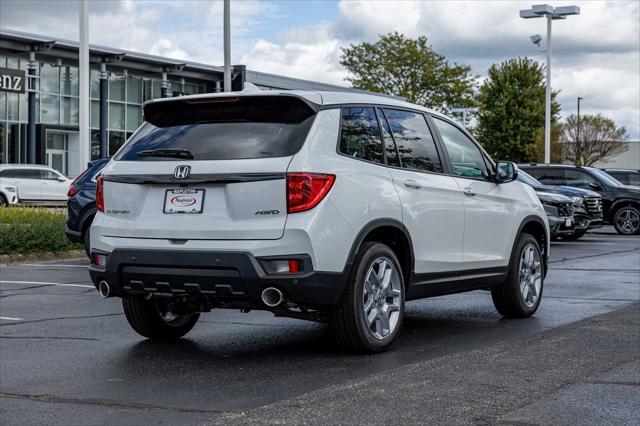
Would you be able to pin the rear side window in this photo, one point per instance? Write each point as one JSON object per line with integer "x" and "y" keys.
{"x": 414, "y": 141}
{"x": 360, "y": 134}
{"x": 222, "y": 128}
{"x": 389, "y": 144}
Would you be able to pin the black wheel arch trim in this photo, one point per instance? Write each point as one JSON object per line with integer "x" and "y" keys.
{"x": 615, "y": 205}
{"x": 371, "y": 226}
{"x": 527, "y": 220}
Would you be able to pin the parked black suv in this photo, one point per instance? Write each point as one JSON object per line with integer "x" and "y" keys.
{"x": 621, "y": 203}
{"x": 587, "y": 204}
{"x": 81, "y": 204}
{"x": 625, "y": 176}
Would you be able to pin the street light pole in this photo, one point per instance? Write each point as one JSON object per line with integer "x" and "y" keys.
{"x": 578, "y": 127}
{"x": 84, "y": 136}
{"x": 551, "y": 13}
{"x": 227, "y": 46}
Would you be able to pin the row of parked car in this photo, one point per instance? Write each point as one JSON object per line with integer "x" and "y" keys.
{"x": 576, "y": 199}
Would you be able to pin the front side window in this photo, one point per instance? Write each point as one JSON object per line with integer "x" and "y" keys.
{"x": 466, "y": 158}
{"x": 414, "y": 141}
{"x": 49, "y": 175}
{"x": 360, "y": 134}
{"x": 578, "y": 179}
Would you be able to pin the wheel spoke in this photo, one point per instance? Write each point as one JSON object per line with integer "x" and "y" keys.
{"x": 368, "y": 304}
{"x": 372, "y": 315}
{"x": 384, "y": 322}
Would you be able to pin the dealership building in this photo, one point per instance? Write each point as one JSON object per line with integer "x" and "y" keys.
{"x": 43, "y": 71}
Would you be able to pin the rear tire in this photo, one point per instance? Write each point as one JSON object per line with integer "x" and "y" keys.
{"x": 627, "y": 220}
{"x": 370, "y": 313}
{"x": 3, "y": 201}
{"x": 520, "y": 295}
{"x": 152, "y": 319}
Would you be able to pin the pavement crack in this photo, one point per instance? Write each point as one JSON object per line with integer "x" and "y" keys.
{"x": 564, "y": 259}
{"x": 61, "y": 318}
{"x": 107, "y": 403}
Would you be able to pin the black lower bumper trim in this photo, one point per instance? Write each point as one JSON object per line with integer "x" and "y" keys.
{"x": 223, "y": 276}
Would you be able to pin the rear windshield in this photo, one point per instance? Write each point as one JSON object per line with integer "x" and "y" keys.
{"x": 222, "y": 128}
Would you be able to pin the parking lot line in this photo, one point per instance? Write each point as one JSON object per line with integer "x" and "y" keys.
{"x": 49, "y": 265}
{"x": 46, "y": 283}
{"x": 11, "y": 319}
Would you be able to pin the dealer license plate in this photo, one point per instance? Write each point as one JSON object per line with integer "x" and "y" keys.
{"x": 183, "y": 201}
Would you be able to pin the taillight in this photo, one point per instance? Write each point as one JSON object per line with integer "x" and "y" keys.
{"x": 73, "y": 188}
{"x": 100, "y": 194}
{"x": 306, "y": 190}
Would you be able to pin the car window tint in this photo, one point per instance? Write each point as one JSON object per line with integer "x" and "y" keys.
{"x": 389, "y": 144}
{"x": 466, "y": 158}
{"x": 578, "y": 179}
{"x": 414, "y": 141}
{"x": 548, "y": 176}
{"x": 360, "y": 134}
{"x": 23, "y": 173}
{"x": 48, "y": 174}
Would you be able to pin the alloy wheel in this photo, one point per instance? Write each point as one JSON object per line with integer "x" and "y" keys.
{"x": 381, "y": 298}
{"x": 530, "y": 275}
{"x": 628, "y": 221}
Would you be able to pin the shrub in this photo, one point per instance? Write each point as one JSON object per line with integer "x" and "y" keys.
{"x": 26, "y": 230}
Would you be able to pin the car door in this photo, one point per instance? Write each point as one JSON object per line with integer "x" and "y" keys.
{"x": 491, "y": 216}
{"x": 432, "y": 203}
{"x": 27, "y": 181}
{"x": 54, "y": 185}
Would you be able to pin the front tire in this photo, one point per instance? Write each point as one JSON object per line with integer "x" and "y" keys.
{"x": 155, "y": 320}
{"x": 520, "y": 295}
{"x": 627, "y": 220}
{"x": 370, "y": 314}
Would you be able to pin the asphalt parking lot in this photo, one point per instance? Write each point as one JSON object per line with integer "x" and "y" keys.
{"x": 69, "y": 357}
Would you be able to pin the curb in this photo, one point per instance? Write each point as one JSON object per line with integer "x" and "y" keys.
{"x": 8, "y": 259}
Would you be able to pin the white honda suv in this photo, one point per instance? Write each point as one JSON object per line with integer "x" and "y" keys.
{"x": 330, "y": 207}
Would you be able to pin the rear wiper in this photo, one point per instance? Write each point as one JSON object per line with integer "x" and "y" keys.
{"x": 172, "y": 153}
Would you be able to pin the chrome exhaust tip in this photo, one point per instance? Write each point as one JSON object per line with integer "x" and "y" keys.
{"x": 104, "y": 289}
{"x": 272, "y": 297}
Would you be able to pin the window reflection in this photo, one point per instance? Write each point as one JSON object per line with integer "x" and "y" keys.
{"x": 360, "y": 135}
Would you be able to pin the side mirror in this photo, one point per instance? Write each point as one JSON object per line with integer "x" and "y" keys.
{"x": 596, "y": 185}
{"x": 61, "y": 179}
{"x": 506, "y": 171}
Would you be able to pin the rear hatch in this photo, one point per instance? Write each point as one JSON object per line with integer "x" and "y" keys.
{"x": 207, "y": 168}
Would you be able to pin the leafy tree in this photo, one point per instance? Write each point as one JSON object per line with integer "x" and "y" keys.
{"x": 598, "y": 138}
{"x": 536, "y": 151}
{"x": 511, "y": 107}
{"x": 401, "y": 66}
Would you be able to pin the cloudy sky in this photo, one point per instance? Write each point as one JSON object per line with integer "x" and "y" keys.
{"x": 595, "y": 55}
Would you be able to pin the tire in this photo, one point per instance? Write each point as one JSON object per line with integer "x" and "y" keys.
{"x": 348, "y": 321}
{"x": 146, "y": 319}
{"x": 3, "y": 201}
{"x": 512, "y": 299}
{"x": 627, "y": 220}
{"x": 87, "y": 241}
{"x": 575, "y": 236}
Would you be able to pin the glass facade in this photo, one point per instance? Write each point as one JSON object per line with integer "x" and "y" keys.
{"x": 57, "y": 103}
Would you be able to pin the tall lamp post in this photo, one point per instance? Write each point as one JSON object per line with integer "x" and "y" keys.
{"x": 551, "y": 13}
{"x": 578, "y": 128}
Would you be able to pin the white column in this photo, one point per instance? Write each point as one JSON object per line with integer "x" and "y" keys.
{"x": 547, "y": 99}
{"x": 83, "y": 66}
{"x": 227, "y": 46}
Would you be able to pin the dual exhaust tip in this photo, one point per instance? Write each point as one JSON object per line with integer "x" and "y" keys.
{"x": 270, "y": 296}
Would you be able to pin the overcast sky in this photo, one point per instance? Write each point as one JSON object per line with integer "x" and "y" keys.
{"x": 595, "y": 55}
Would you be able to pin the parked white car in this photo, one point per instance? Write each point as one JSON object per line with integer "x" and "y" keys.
{"x": 8, "y": 193}
{"x": 314, "y": 205}
{"x": 35, "y": 183}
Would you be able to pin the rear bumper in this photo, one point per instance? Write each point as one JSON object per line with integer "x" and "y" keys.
{"x": 233, "y": 279}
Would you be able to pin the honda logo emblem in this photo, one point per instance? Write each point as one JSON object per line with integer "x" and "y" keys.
{"x": 182, "y": 172}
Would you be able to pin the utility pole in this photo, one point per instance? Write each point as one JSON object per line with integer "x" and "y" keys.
{"x": 227, "y": 46}
{"x": 83, "y": 81}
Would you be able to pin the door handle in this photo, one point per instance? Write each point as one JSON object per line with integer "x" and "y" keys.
{"x": 410, "y": 183}
{"x": 468, "y": 191}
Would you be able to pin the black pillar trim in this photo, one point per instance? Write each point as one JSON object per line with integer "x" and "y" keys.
{"x": 104, "y": 143}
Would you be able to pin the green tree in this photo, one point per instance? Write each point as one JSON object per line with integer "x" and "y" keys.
{"x": 594, "y": 139}
{"x": 511, "y": 109}
{"x": 401, "y": 66}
